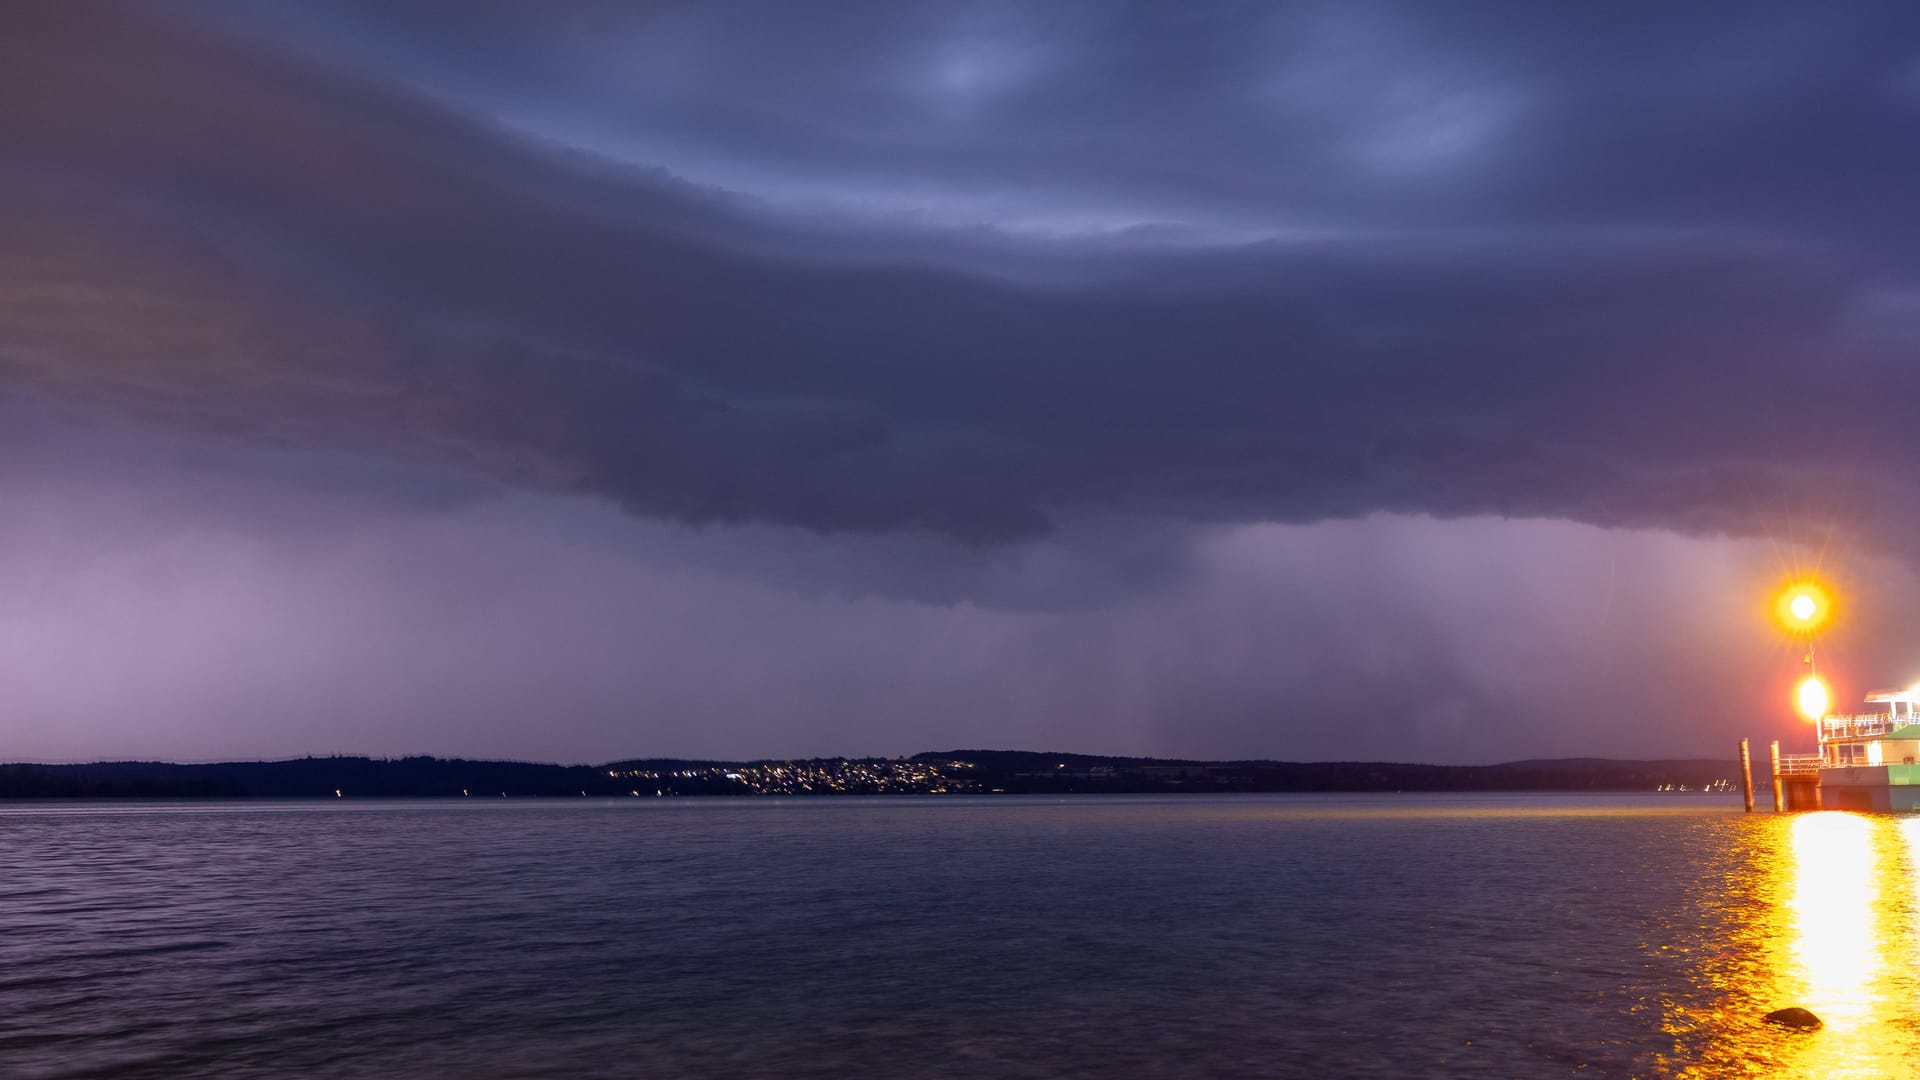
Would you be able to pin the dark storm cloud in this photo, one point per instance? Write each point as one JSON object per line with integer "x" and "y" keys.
{"x": 154, "y": 607}
{"x": 968, "y": 270}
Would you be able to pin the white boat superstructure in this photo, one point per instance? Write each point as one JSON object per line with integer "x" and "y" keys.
{"x": 1867, "y": 761}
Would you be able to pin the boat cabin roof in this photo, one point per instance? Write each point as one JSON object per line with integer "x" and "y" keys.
{"x": 1910, "y": 695}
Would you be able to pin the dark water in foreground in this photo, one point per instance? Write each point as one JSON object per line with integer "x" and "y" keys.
{"x": 1137, "y": 937}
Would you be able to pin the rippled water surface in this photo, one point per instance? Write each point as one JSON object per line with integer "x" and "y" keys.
{"x": 1232, "y": 936}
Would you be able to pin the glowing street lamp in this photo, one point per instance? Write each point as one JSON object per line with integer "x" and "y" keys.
{"x": 1813, "y": 697}
{"x": 1802, "y": 607}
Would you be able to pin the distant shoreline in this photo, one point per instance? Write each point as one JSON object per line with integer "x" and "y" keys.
{"x": 977, "y": 772}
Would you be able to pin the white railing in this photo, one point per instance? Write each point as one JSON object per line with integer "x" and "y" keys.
{"x": 1800, "y": 764}
{"x": 1857, "y": 727}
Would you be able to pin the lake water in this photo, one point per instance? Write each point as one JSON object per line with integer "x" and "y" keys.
{"x": 991, "y": 937}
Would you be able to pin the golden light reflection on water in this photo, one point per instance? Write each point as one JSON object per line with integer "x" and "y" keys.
{"x": 1817, "y": 912}
{"x": 1832, "y": 933}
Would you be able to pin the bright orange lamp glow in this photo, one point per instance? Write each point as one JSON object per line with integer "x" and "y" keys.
{"x": 1813, "y": 697}
{"x": 1803, "y": 607}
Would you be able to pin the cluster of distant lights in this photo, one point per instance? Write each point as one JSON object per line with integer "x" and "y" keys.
{"x": 1713, "y": 787}
{"x": 839, "y": 776}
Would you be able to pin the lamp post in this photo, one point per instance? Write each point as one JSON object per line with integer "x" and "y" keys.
{"x": 1801, "y": 609}
{"x": 1804, "y": 608}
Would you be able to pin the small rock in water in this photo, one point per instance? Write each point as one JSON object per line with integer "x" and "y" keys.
{"x": 1795, "y": 1017}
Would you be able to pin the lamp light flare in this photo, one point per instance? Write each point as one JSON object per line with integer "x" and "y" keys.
{"x": 1813, "y": 697}
{"x": 1803, "y": 607}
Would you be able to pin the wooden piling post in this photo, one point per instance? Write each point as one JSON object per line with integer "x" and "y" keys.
{"x": 1746, "y": 775}
{"x": 1779, "y": 803}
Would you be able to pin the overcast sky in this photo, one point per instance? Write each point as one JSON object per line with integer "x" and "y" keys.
{"x": 1448, "y": 382}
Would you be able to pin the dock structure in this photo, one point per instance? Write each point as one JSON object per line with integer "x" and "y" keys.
{"x": 1746, "y": 776}
{"x": 1798, "y": 779}
{"x": 1795, "y": 780}
{"x": 1779, "y": 800}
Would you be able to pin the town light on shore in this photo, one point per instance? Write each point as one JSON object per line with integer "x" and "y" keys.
{"x": 1813, "y": 697}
